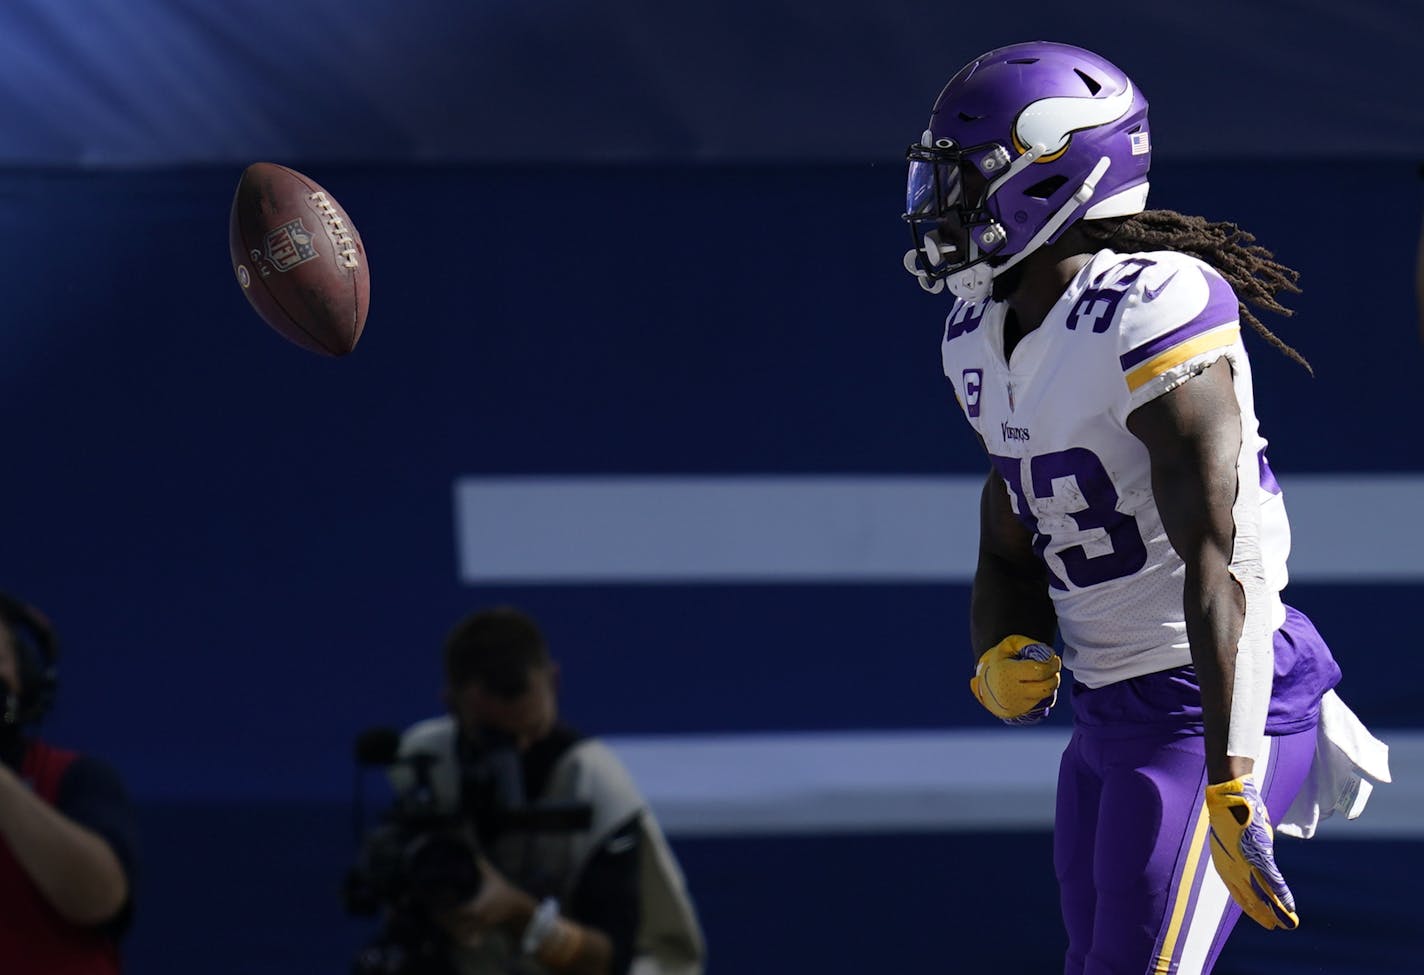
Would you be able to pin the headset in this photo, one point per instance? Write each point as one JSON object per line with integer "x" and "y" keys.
{"x": 36, "y": 655}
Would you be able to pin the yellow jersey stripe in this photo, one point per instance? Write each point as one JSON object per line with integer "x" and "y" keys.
{"x": 1178, "y": 354}
{"x": 1184, "y": 895}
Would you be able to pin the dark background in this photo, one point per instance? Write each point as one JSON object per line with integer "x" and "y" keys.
{"x": 607, "y": 238}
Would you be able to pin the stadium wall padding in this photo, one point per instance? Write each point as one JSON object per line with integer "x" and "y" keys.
{"x": 249, "y": 551}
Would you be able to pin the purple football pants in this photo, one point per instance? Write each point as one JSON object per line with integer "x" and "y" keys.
{"x": 1139, "y": 893}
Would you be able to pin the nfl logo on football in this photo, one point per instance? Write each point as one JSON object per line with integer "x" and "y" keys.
{"x": 289, "y": 245}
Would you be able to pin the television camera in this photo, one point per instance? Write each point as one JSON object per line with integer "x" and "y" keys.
{"x": 423, "y": 859}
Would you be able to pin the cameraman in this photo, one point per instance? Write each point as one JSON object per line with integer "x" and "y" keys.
{"x": 66, "y": 826}
{"x": 606, "y": 900}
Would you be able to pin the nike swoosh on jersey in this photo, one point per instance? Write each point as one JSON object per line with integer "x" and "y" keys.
{"x": 1150, "y": 294}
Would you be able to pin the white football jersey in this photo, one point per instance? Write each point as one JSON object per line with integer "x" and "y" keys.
{"x": 1053, "y": 418}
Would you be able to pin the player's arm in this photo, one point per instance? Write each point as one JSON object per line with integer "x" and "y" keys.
{"x": 1010, "y": 610}
{"x": 1010, "y": 581}
{"x": 1193, "y": 437}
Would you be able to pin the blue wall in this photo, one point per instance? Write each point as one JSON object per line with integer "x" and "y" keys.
{"x": 224, "y": 521}
{"x": 249, "y": 551}
{"x": 159, "y": 82}
{"x": 632, "y": 238}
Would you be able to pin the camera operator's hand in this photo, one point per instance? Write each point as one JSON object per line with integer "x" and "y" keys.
{"x": 568, "y": 948}
{"x": 498, "y": 904}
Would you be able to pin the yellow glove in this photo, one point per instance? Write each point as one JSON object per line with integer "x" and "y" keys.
{"x": 1017, "y": 680}
{"x": 1244, "y": 853}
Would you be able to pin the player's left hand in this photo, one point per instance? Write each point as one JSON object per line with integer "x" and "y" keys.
{"x": 1243, "y": 850}
{"x": 1017, "y": 680}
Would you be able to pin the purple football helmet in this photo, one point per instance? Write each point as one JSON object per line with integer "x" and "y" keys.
{"x": 1022, "y": 142}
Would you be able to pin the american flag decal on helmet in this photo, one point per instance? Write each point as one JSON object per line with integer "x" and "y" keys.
{"x": 1141, "y": 145}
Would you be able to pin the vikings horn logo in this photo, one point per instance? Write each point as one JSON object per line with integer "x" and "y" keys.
{"x": 1051, "y": 122}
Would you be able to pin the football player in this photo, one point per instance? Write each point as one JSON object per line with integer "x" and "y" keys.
{"x": 1129, "y": 512}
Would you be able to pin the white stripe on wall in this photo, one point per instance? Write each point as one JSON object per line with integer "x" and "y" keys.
{"x": 895, "y": 782}
{"x": 1358, "y": 528}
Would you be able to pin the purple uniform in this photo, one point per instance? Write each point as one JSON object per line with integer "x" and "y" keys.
{"x": 1139, "y": 892}
{"x": 1023, "y": 144}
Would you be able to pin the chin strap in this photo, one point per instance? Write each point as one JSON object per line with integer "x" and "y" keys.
{"x": 973, "y": 283}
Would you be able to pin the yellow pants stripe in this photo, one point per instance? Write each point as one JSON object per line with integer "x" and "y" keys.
{"x": 1183, "y": 896}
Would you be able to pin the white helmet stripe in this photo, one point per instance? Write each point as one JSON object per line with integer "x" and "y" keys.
{"x": 1049, "y": 121}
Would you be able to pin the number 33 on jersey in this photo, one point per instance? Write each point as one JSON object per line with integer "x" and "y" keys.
{"x": 1053, "y": 418}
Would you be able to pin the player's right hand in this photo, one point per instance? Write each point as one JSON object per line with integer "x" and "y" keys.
{"x": 1017, "y": 680}
{"x": 1243, "y": 850}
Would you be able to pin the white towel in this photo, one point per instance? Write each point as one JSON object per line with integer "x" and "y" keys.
{"x": 1349, "y": 762}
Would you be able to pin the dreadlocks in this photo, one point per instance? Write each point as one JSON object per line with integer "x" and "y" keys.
{"x": 1252, "y": 271}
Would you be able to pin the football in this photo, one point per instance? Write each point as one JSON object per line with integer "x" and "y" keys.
{"x": 299, "y": 259}
{"x": 1035, "y": 651}
{"x": 1040, "y": 652}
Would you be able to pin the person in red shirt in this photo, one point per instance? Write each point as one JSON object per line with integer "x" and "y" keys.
{"x": 67, "y": 836}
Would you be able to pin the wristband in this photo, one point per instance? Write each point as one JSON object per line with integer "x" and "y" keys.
{"x": 541, "y": 925}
